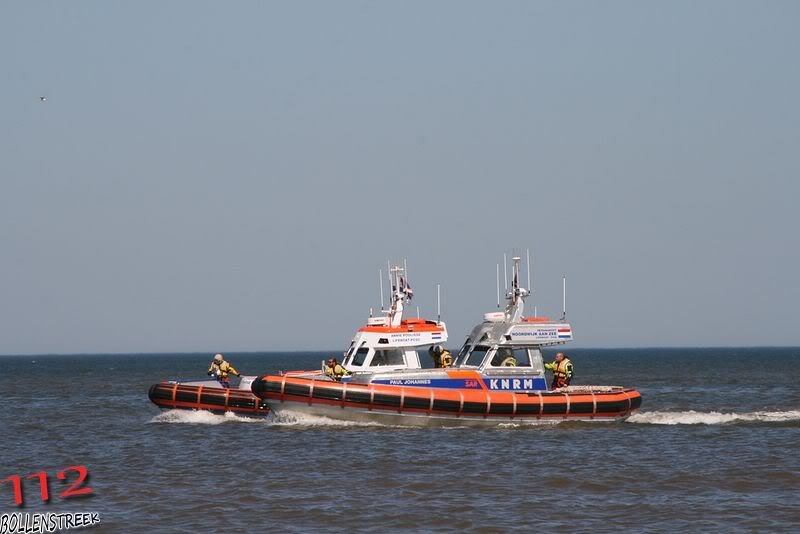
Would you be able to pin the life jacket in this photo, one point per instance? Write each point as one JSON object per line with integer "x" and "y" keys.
{"x": 222, "y": 369}
{"x": 446, "y": 359}
{"x": 562, "y": 369}
{"x": 336, "y": 372}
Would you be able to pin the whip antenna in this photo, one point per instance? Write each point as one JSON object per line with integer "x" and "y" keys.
{"x": 528, "y": 266}
{"x": 380, "y": 279}
{"x": 505, "y": 272}
{"x": 391, "y": 285}
{"x": 438, "y": 303}
{"x": 563, "y": 297}
{"x": 498, "y": 285}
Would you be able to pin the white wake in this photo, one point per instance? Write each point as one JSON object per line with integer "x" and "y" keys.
{"x": 302, "y": 419}
{"x": 202, "y": 417}
{"x": 692, "y": 417}
{"x": 290, "y": 419}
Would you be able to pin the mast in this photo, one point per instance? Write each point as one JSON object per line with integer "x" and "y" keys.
{"x": 395, "y": 315}
{"x": 516, "y": 296}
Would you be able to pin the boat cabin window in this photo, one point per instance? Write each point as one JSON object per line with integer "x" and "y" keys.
{"x": 361, "y": 355}
{"x": 462, "y": 354}
{"x": 506, "y": 356}
{"x": 348, "y": 353}
{"x": 388, "y": 357}
{"x": 477, "y": 355}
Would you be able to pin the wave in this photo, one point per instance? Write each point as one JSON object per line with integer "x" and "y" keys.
{"x": 297, "y": 419}
{"x": 302, "y": 419}
{"x": 692, "y": 417}
{"x": 202, "y": 417}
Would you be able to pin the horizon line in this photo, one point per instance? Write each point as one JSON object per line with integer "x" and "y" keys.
{"x": 294, "y": 351}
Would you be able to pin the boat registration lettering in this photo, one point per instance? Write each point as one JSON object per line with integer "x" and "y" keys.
{"x": 511, "y": 384}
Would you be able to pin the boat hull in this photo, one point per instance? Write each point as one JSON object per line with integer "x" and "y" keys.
{"x": 177, "y": 396}
{"x": 421, "y": 406}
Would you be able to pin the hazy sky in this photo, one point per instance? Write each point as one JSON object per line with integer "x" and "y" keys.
{"x": 231, "y": 175}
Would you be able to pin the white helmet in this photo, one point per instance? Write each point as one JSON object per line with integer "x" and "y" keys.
{"x": 218, "y": 358}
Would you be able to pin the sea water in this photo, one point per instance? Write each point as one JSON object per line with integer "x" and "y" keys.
{"x": 714, "y": 447}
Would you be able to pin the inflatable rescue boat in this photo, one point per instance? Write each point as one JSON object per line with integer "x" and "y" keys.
{"x": 498, "y": 376}
{"x": 207, "y": 394}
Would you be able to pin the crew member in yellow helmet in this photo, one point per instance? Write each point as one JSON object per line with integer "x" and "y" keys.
{"x": 220, "y": 369}
{"x": 442, "y": 358}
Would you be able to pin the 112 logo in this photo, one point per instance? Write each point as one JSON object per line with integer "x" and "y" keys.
{"x": 76, "y": 488}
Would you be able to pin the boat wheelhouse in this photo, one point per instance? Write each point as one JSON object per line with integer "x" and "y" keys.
{"x": 389, "y": 342}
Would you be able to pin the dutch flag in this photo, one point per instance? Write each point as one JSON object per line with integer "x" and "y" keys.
{"x": 564, "y": 333}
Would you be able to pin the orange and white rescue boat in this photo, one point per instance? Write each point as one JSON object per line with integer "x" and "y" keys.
{"x": 498, "y": 376}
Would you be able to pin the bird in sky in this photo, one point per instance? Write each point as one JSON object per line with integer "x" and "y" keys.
{"x": 43, "y": 98}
